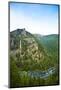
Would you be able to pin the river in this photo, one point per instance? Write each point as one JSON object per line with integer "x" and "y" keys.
{"x": 40, "y": 74}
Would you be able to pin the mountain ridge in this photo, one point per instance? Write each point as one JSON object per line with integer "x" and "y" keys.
{"x": 31, "y": 48}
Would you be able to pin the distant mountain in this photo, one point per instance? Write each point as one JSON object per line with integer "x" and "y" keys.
{"x": 50, "y": 42}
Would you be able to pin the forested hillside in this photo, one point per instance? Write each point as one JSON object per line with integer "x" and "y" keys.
{"x": 33, "y": 59}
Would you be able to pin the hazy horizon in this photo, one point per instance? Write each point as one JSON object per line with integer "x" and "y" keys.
{"x": 35, "y": 18}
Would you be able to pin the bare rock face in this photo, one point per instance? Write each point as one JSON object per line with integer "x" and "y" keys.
{"x": 30, "y": 49}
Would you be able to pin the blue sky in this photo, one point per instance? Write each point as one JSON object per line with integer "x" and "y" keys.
{"x": 36, "y": 18}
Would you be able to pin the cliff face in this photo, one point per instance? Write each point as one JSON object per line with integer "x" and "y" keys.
{"x": 16, "y": 36}
{"x": 29, "y": 49}
{"x": 24, "y": 42}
